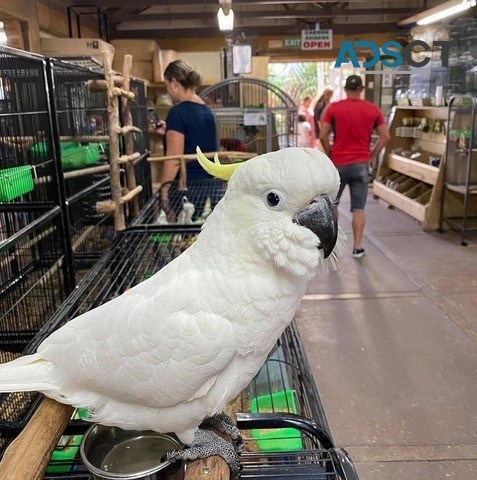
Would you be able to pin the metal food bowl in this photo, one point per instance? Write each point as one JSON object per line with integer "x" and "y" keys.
{"x": 110, "y": 453}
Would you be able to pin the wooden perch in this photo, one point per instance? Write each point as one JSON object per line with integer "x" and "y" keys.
{"x": 126, "y": 129}
{"x": 193, "y": 156}
{"x": 103, "y": 84}
{"x": 129, "y": 158}
{"x": 129, "y": 138}
{"x": 106, "y": 207}
{"x": 211, "y": 468}
{"x": 125, "y": 94}
{"x": 130, "y": 195}
{"x": 114, "y": 150}
{"x": 28, "y": 455}
{"x": 85, "y": 138}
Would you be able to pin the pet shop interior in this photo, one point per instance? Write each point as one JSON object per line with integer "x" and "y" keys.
{"x": 371, "y": 373}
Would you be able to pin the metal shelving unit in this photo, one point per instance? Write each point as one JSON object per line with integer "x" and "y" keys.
{"x": 459, "y": 188}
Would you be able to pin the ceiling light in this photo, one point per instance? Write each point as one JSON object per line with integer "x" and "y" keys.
{"x": 439, "y": 12}
{"x": 225, "y": 15}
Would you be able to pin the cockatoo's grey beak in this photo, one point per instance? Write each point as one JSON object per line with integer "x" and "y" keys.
{"x": 320, "y": 217}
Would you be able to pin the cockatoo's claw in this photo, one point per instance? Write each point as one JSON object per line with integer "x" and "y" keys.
{"x": 223, "y": 423}
{"x": 206, "y": 444}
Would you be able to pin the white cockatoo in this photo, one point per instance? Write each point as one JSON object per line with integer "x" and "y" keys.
{"x": 179, "y": 346}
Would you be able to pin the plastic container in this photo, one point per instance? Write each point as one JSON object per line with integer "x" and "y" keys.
{"x": 276, "y": 439}
{"x": 15, "y": 182}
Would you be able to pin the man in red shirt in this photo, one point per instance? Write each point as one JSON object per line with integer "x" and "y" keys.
{"x": 352, "y": 122}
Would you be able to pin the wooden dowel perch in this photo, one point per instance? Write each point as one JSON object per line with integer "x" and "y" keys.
{"x": 103, "y": 84}
{"x": 130, "y": 195}
{"x": 106, "y": 207}
{"x": 28, "y": 455}
{"x": 126, "y": 129}
{"x": 123, "y": 93}
{"x": 211, "y": 468}
{"x": 193, "y": 156}
{"x": 85, "y": 138}
{"x": 129, "y": 158}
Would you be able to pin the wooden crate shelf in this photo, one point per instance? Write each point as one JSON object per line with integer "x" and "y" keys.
{"x": 400, "y": 201}
{"x": 411, "y": 185}
{"x": 412, "y": 168}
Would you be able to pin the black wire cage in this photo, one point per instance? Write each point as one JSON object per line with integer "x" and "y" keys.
{"x": 83, "y": 133}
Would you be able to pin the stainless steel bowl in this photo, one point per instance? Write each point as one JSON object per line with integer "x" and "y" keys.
{"x": 110, "y": 453}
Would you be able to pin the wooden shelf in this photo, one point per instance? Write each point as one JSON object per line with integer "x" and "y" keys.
{"x": 412, "y": 168}
{"x": 399, "y": 200}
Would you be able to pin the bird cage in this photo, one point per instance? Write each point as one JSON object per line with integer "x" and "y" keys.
{"x": 252, "y": 115}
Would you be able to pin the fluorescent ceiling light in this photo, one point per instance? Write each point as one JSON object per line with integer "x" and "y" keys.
{"x": 439, "y": 12}
{"x": 225, "y": 15}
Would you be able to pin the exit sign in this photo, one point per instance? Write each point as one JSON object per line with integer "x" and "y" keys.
{"x": 292, "y": 42}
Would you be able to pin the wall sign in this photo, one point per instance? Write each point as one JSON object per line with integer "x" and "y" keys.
{"x": 316, "y": 39}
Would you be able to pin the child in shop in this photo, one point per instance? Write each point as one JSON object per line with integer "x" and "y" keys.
{"x": 304, "y": 132}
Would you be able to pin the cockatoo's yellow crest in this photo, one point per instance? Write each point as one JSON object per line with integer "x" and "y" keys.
{"x": 215, "y": 168}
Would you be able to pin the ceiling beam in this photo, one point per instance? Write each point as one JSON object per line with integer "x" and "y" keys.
{"x": 152, "y": 3}
{"x": 265, "y": 15}
{"x": 291, "y": 30}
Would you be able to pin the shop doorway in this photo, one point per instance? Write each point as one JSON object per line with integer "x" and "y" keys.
{"x": 302, "y": 79}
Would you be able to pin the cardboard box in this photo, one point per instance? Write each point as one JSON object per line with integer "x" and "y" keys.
{"x": 141, "y": 50}
{"x": 75, "y": 47}
{"x": 160, "y": 60}
{"x": 207, "y": 64}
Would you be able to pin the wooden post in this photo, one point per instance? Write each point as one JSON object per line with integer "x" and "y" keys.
{"x": 114, "y": 153}
{"x": 129, "y": 139}
{"x": 28, "y": 455}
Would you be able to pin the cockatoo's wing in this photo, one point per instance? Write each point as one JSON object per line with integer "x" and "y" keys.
{"x": 156, "y": 345}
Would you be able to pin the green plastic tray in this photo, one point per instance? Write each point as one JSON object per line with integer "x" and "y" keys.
{"x": 15, "y": 182}
{"x": 276, "y": 439}
{"x": 67, "y": 448}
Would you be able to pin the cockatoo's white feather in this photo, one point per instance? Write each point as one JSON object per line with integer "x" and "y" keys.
{"x": 180, "y": 345}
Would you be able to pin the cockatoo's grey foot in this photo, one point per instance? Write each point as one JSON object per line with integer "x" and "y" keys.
{"x": 223, "y": 423}
{"x": 206, "y": 444}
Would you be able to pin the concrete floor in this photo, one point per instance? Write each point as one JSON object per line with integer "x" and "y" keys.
{"x": 392, "y": 343}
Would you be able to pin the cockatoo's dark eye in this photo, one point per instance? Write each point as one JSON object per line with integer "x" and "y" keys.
{"x": 273, "y": 199}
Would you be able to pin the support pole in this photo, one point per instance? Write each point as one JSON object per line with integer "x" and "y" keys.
{"x": 129, "y": 139}
{"x": 113, "y": 120}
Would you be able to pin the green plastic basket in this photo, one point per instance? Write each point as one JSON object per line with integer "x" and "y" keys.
{"x": 73, "y": 155}
{"x": 15, "y": 182}
{"x": 276, "y": 439}
{"x": 80, "y": 156}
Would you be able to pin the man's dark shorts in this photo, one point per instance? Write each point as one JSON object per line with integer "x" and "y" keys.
{"x": 356, "y": 175}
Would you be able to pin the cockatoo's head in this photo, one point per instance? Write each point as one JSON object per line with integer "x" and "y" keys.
{"x": 281, "y": 204}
